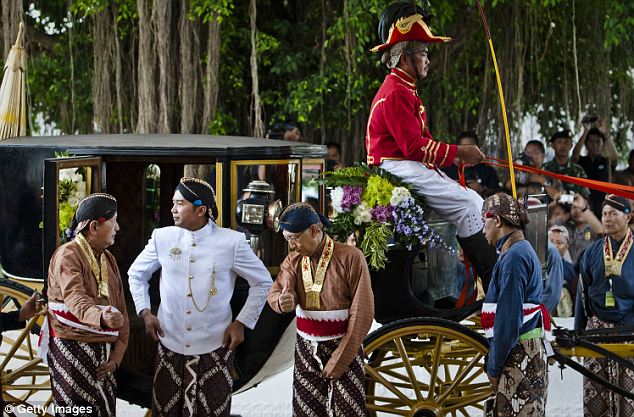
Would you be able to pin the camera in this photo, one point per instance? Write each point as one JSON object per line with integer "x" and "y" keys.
{"x": 524, "y": 159}
{"x": 589, "y": 119}
{"x": 566, "y": 198}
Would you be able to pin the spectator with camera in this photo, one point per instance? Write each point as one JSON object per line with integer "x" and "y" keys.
{"x": 561, "y": 142}
{"x": 481, "y": 178}
{"x": 527, "y": 183}
{"x": 584, "y": 226}
{"x": 596, "y": 166}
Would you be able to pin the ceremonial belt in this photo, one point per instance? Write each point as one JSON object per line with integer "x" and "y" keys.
{"x": 63, "y": 315}
{"x": 487, "y": 318}
{"x": 625, "y": 191}
{"x": 319, "y": 326}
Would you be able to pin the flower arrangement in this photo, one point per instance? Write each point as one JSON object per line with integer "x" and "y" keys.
{"x": 381, "y": 209}
{"x": 72, "y": 189}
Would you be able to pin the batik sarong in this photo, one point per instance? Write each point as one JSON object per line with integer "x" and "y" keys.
{"x": 72, "y": 365}
{"x": 523, "y": 384}
{"x": 316, "y": 395}
{"x": 599, "y": 401}
{"x": 192, "y": 385}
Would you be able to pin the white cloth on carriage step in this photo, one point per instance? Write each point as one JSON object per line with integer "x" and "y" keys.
{"x": 63, "y": 315}
{"x": 181, "y": 253}
{"x": 460, "y": 205}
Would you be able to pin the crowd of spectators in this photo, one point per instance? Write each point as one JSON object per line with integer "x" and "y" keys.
{"x": 574, "y": 212}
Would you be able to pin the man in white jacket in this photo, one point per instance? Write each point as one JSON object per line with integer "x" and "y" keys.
{"x": 199, "y": 263}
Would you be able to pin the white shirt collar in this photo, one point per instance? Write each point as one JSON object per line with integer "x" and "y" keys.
{"x": 204, "y": 231}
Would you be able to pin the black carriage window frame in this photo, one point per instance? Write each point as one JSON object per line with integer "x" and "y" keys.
{"x": 52, "y": 167}
{"x": 250, "y": 162}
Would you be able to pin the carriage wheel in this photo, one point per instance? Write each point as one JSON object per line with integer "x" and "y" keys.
{"x": 25, "y": 379}
{"x": 426, "y": 367}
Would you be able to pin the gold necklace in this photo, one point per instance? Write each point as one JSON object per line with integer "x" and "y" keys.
{"x": 99, "y": 268}
{"x": 313, "y": 288}
{"x": 212, "y": 290}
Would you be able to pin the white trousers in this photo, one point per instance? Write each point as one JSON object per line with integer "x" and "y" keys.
{"x": 460, "y": 205}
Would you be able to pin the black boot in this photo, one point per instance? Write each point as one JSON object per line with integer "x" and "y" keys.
{"x": 481, "y": 254}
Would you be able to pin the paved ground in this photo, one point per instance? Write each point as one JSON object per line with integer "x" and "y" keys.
{"x": 272, "y": 398}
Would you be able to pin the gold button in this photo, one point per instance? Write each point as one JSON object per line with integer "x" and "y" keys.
{"x": 188, "y": 311}
{"x": 186, "y": 345}
{"x": 189, "y": 328}
{"x": 194, "y": 244}
{"x": 192, "y": 260}
{"x": 190, "y": 277}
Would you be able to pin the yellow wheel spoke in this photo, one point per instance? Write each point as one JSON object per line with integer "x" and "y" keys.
{"x": 459, "y": 377}
{"x": 387, "y": 384}
{"x": 434, "y": 367}
{"x": 388, "y": 410}
{"x": 408, "y": 367}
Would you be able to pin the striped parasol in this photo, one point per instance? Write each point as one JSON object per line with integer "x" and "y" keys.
{"x": 12, "y": 91}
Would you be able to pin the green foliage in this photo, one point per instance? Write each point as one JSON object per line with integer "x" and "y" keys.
{"x": 375, "y": 240}
{"x": 315, "y": 66}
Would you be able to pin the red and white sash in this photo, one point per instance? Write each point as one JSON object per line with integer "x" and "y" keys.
{"x": 487, "y": 318}
{"x": 64, "y": 316}
{"x": 319, "y": 326}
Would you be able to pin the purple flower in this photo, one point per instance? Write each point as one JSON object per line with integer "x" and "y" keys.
{"x": 351, "y": 197}
{"x": 382, "y": 214}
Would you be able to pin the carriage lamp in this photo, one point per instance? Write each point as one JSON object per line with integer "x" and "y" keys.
{"x": 258, "y": 211}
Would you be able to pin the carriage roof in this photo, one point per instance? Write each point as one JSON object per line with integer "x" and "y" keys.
{"x": 170, "y": 144}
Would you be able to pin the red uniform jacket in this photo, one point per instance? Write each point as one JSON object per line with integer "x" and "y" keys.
{"x": 397, "y": 126}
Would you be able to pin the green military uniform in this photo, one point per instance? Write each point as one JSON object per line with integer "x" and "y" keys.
{"x": 570, "y": 169}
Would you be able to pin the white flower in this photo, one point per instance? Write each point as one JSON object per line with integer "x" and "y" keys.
{"x": 73, "y": 201}
{"x": 336, "y": 196}
{"x": 399, "y": 194}
{"x": 362, "y": 214}
{"x": 66, "y": 174}
{"x": 80, "y": 192}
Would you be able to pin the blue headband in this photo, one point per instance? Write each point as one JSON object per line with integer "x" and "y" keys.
{"x": 299, "y": 219}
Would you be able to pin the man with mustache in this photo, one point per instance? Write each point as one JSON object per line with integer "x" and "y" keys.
{"x": 606, "y": 300}
{"x": 398, "y": 138}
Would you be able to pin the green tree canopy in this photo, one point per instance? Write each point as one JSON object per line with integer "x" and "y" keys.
{"x": 558, "y": 60}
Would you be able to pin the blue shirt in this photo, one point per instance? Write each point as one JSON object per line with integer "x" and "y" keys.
{"x": 592, "y": 272}
{"x": 555, "y": 278}
{"x": 516, "y": 279}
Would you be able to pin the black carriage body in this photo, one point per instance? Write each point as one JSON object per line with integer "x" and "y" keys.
{"x": 400, "y": 289}
{"x": 29, "y": 173}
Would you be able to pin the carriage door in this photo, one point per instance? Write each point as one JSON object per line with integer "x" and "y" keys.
{"x": 66, "y": 182}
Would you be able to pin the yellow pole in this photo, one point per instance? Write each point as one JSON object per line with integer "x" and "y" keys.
{"x": 506, "y": 122}
{"x": 501, "y": 92}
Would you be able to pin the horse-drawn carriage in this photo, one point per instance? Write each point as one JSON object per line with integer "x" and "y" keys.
{"x": 423, "y": 361}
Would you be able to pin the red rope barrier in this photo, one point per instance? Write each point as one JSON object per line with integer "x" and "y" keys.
{"x": 625, "y": 191}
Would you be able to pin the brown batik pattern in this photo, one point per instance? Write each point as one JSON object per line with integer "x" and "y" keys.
{"x": 599, "y": 401}
{"x": 523, "y": 384}
{"x": 73, "y": 365}
{"x": 317, "y": 396}
{"x": 192, "y": 385}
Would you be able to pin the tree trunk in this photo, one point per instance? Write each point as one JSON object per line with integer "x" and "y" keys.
{"x": 210, "y": 90}
{"x": 189, "y": 74}
{"x": 258, "y": 125}
{"x": 161, "y": 24}
{"x": 146, "y": 71}
{"x": 12, "y": 15}
{"x": 117, "y": 70}
{"x": 102, "y": 102}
